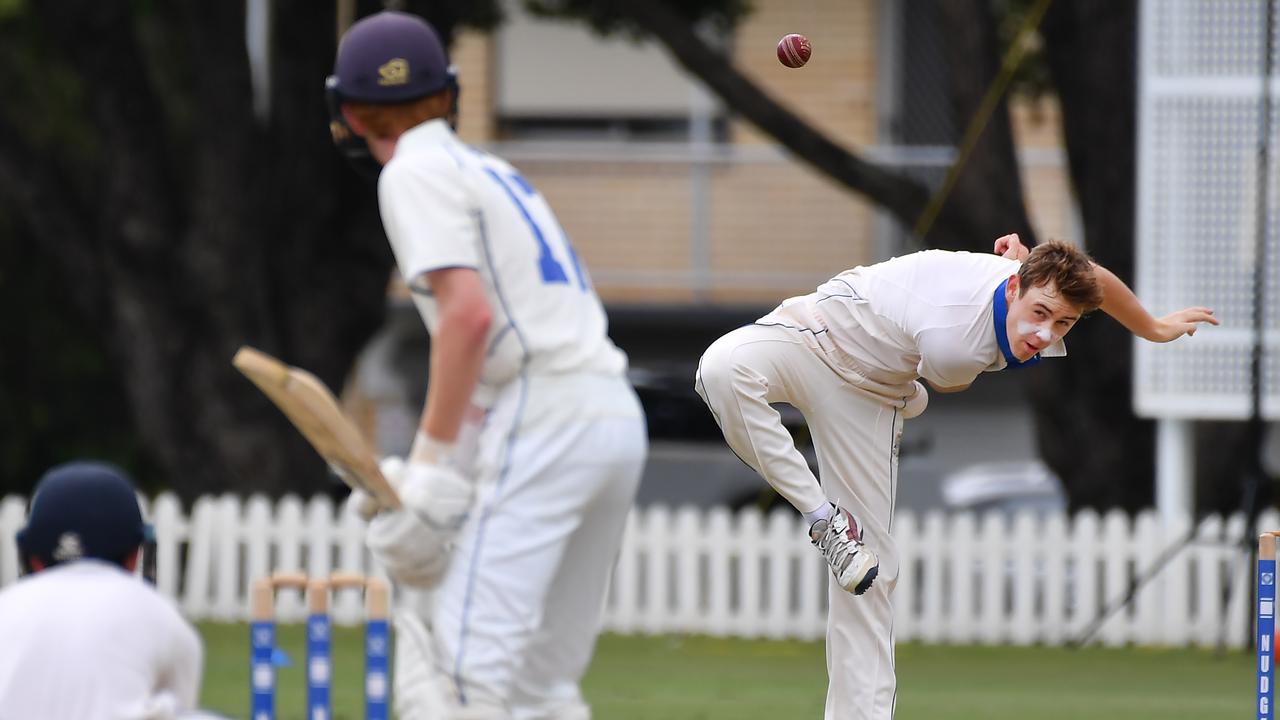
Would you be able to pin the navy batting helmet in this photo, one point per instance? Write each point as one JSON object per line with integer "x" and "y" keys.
{"x": 390, "y": 57}
{"x": 82, "y": 510}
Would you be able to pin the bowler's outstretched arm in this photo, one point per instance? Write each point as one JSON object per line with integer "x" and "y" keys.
{"x": 1120, "y": 303}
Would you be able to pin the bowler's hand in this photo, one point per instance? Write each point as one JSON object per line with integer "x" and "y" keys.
{"x": 1010, "y": 247}
{"x": 1184, "y": 322}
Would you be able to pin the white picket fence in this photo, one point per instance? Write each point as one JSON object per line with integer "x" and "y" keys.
{"x": 989, "y": 579}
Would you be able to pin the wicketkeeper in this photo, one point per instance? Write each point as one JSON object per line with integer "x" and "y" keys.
{"x": 80, "y": 635}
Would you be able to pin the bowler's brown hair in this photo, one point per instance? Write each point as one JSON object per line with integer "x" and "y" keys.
{"x": 1065, "y": 267}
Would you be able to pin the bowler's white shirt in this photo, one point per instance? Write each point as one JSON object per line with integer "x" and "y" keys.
{"x": 446, "y": 204}
{"x": 929, "y": 314}
{"x": 88, "y": 641}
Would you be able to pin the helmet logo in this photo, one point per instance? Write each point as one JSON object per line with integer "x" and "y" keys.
{"x": 395, "y": 72}
{"x": 69, "y": 548}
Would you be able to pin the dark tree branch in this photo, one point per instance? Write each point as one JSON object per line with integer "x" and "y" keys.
{"x": 988, "y": 185}
{"x": 903, "y": 197}
{"x": 987, "y": 199}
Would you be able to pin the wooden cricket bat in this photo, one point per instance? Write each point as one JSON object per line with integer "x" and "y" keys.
{"x": 314, "y": 411}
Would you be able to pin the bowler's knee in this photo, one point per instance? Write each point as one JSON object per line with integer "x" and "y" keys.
{"x": 721, "y": 370}
{"x": 712, "y": 380}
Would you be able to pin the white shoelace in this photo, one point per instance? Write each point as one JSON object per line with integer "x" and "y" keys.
{"x": 836, "y": 546}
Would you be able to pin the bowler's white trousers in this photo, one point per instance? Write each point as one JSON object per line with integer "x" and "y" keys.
{"x": 856, "y": 436}
{"x": 517, "y": 614}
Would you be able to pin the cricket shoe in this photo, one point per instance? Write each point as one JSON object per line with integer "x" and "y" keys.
{"x": 839, "y": 538}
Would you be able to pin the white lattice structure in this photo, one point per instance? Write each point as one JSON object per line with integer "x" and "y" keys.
{"x": 966, "y": 578}
{"x": 1201, "y": 89}
{"x": 1200, "y": 126}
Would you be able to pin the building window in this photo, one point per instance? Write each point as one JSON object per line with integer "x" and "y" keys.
{"x": 558, "y": 80}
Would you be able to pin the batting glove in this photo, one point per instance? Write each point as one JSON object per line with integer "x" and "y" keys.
{"x": 413, "y": 554}
{"x": 361, "y": 503}
{"x": 415, "y": 542}
{"x": 438, "y": 494}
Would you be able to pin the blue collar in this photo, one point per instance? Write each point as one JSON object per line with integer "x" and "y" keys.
{"x": 1001, "y": 316}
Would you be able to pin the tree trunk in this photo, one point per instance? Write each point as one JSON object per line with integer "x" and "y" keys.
{"x": 1085, "y": 423}
{"x": 183, "y": 227}
{"x": 181, "y": 241}
{"x": 989, "y": 184}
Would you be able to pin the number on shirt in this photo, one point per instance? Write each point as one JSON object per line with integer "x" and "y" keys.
{"x": 552, "y": 271}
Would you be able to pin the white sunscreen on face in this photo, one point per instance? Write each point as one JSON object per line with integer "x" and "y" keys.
{"x": 1026, "y": 328}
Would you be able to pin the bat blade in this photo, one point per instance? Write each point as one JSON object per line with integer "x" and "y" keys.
{"x": 314, "y": 411}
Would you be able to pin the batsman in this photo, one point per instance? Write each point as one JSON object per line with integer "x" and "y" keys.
{"x": 532, "y": 441}
{"x": 851, "y": 357}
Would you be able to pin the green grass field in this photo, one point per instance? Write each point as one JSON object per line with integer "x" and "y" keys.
{"x": 698, "y": 678}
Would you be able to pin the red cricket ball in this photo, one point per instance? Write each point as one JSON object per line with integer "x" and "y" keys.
{"x": 794, "y": 50}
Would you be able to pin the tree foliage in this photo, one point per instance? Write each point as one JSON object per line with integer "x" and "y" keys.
{"x": 174, "y": 226}
{"x": 151, "y": 224}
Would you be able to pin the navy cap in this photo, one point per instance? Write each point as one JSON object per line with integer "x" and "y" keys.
{"x": 82, "y": 509}
{"x": 390, "y": 57}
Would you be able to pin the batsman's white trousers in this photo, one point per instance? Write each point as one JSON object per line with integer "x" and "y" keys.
{"x": 517, "y": 614}
{"x": 856, "y": 436}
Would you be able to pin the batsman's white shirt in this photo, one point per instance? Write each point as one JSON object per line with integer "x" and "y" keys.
{"x": 88, "y": 640}
{"x": 446, "y": 204}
